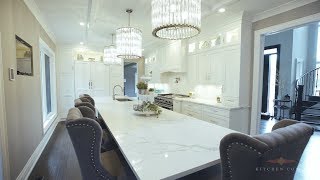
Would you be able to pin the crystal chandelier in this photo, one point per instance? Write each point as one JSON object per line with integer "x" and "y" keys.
{"x": 110, "y": 55}
{"x": 176, "y": 19}
{"x": 129, "y": 41}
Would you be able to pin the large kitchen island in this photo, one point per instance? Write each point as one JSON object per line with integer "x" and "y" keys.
{"x": 170, "y": 146}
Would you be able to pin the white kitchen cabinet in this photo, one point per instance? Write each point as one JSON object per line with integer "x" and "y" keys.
{"x": 204, "y": 68}
{"x": 217, "y": 68}
{"x": 177, "y": 106}
{"x": 215, "y": 119}
{"x": 152, "y": 68}
{"x": 192, "y": 70}
{"x": 231, "y": 88}
{"x": 172, "y": 57}
{"x": 192, "y": 109}
{"x": 96, "y": 79}
{"x": 207, "y": 68}
{"x": 233, "y": 118}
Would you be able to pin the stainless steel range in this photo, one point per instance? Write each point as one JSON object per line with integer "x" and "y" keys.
{"x": 166, "y": 100}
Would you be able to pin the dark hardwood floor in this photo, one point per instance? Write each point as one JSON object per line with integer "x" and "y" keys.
{"x": 59, "y": 162}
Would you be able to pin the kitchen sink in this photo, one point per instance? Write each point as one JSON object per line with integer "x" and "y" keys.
{"x": 123, "y": 99}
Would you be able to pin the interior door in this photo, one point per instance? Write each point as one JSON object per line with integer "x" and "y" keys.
{"x": 82, "y": 78}
{"x": 99, "y": 79}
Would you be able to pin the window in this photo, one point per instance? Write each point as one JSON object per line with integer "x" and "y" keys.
{"x": 48, "y": 85}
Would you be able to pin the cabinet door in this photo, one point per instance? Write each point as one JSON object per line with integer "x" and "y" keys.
{"x": 204, "y": 68}
{"x": 174, "y": 56}
{"x": 192, "y": 109}
{"x": 162, "y": 57}
{"x": 82, "y": 78}
{"x": 177, "y": 106}
{"x": 193, "y": 73}
{"x": 218, "y": 120}
{"x": 232, "y": 80}
{"x": 217, "y": 68}
{"x": 99, "y": 79}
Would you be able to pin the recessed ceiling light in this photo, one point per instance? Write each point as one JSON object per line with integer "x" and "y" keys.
{"x": 222, "y": 10}
{"x": 82, "y": 23}
{"x": 81, "y": 43}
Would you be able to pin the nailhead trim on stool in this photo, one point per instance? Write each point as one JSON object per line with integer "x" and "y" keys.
{"x": 228, "y": 151}
{"x": 92, "y": 146}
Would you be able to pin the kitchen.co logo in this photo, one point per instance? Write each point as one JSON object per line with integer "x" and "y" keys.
{"x": 281, "y": 161}
{"x": 276, "y": 168}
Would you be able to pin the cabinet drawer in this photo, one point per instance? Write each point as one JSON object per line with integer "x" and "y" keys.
{"x": 216, "y": 111}
{"x": 218, "y": 120}
{"x": 194, "y": 114}
{"x": 192, "y": 107}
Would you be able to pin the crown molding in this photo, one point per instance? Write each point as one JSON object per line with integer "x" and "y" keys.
{"x": 33, "y": 7}
{"x": 280, "y": 9}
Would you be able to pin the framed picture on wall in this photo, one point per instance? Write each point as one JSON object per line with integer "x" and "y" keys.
{"x": 24, "y": 56}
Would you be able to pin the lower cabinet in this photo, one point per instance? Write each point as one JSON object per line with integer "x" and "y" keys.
{"x": 234, "y": 118}
{"x": 192, "y": 109}
{"x": 177, "y": 106}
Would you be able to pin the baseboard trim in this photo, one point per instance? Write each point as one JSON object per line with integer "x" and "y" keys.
{"x": 27, "y": 169}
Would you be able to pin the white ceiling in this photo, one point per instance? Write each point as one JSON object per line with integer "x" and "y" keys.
{"x": 63, "y": 17}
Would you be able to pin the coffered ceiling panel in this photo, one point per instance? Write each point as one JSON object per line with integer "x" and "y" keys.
{"x": 105, "y": 16}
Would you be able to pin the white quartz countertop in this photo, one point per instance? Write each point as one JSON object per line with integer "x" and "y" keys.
{"x": 168, "y": 147}
{"x": 208, "y": 102}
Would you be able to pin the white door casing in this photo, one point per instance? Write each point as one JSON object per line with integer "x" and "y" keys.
{"x": 4, "y": 153}
{"x": 259, "y": 39}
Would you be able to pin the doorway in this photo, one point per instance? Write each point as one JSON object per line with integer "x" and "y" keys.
{"x": 131, "y": 79}
{"x": 270, "y": 87}
{"x": 258, "y": 63}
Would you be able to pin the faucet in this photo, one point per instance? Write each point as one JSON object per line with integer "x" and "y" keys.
{"x": 114, "y": 95}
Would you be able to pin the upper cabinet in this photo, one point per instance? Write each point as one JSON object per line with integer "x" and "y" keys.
{"x": 173, "y": 56}
{"x": 169, "y": 58}
{"x": 152, "y": 68}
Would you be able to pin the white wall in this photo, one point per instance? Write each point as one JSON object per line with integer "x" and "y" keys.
{"x": 2, "y": 116}
{"x": 299, "y": 54}
{"x": 285, "y": 39}
{"x": 312, "y": 47}
{"x": 23, "y": 96}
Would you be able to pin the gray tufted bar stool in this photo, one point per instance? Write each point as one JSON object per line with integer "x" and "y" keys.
{"x": 107, "y": 143}
{"x": 270, "y": 156}
{"x": 86, "y": 136}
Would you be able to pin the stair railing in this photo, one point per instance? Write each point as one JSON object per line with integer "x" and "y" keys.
{"x": 310, "y": 82}
{"x": 306, "y": 86}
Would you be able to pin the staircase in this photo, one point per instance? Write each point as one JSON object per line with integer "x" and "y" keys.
{"x": 307, "y": 103}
